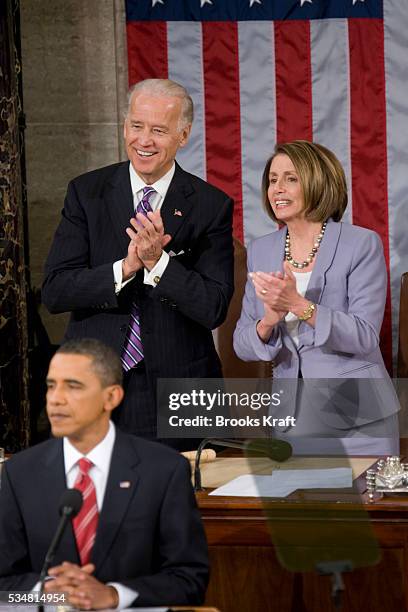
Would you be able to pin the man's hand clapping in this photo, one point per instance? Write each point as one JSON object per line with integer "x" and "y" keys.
{"x": 147, "y": 240}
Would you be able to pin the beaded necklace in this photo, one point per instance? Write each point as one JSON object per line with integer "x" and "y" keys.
{"x": 312, "y": 253}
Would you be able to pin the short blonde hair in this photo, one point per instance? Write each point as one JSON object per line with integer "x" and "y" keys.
{"x": 321, "y": 176}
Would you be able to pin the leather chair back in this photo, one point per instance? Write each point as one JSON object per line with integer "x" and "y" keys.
{"x": 402, "y": 368}
{"x": 232, "y": 366}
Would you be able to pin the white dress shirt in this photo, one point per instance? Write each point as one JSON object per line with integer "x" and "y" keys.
{"x": 137, "y": 185}
{"x": 292, "y": 322}
{"x": 100, "y": 456}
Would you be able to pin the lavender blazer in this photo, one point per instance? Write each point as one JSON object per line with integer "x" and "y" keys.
{"x": 348, "y": 284}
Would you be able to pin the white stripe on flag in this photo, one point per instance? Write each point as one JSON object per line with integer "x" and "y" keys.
{"x": 185, "y": 65}
{"x": 331, "y": 91}
{"x": 258, "y": 119}
{"x": 396, "y": 72}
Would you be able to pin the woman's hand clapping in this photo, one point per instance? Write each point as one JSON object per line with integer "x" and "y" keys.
{"x": 278, "y": 293}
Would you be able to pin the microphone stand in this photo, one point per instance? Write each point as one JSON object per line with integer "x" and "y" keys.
{"x": 335, "y": 569}
{"x": 225, "y": 443}
{"x": 66, "y": 513}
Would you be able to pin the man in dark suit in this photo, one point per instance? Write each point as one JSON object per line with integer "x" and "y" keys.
{"x": 147, "y": 547}
{"x": 173, "y": 279}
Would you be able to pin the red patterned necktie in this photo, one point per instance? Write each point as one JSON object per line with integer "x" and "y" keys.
{"x": 86, "y": 521}
{"x": 132, "y": 352}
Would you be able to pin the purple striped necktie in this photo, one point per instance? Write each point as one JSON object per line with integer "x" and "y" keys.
{"x": 132, "y": 352}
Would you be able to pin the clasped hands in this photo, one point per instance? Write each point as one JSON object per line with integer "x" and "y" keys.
{"x": 82, "y": 589}
{"x": 147, "y": 240}
{"x": 278, "y": 293}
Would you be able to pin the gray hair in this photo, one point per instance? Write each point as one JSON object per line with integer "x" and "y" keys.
{"x": 166, "y": 87}
{"x": 105, "y": 362}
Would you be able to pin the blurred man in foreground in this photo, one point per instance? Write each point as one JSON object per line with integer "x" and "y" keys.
{"x": 138, "y": 536}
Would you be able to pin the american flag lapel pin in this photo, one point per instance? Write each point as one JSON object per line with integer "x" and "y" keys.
{"x": 124, "y": 484}
{"x": 177, "y": 213}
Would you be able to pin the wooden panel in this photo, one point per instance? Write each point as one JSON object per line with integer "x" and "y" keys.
{"x": 247, "y": 576}
{"x": 250, "y": 579}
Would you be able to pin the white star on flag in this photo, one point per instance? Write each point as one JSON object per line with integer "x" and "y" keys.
{"x": 252, "y": 2}
{"x": 205, "y": 2}
{"x": 154, "y": 2}
{"x": 303, "y": 1}
{"x": 355, "y": 1}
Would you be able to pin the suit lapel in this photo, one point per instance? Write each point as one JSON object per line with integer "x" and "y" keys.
{"x": 317, "y": 281}
{"x": 278, "y": 250}
{"x": 273, "y": 260}
{"x": 119, "y": 204}
{"x": 177, "y": 203}
{"x": 120, "y": 488}
{"x": 324, "y": 259}
{"x": 51, "y": 485}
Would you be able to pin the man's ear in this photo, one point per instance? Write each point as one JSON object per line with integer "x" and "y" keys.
{"x": 184, "y": 135}
{"x": 113, "y": 396}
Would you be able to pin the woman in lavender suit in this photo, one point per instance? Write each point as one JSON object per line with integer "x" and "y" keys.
{"x": 314, "y": 304}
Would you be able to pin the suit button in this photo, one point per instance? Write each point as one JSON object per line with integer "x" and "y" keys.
{"x": 123, "y": 328}
{"x": 173, "y": 305}
{"x": 163, "y": 299}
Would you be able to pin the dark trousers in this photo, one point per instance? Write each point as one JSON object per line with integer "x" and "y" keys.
{"x": 137, "y": 413}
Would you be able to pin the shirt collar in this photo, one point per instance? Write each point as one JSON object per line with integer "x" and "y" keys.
{"x": 161, "y": 186}
{"x": 100, "y": 455}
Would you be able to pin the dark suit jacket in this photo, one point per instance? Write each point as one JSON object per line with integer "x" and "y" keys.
{"x": 150, "y": 536}
{"x": 193, "y": 295}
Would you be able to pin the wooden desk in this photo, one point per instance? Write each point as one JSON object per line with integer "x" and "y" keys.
{"x": 195, "y": 609}
{"x": 246, "y": 575}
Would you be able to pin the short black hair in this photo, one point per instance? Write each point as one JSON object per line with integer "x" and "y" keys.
{"x": 105, "y": 361}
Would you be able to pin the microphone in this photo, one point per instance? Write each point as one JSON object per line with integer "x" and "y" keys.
{"x": 70, "y": 503}
{"x": 69, "y": 506}
{"x": 277, "y": 450}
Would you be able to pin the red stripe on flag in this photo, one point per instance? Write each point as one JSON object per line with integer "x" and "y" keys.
{"x": 293, "y": 81}
{"x": 222, "y": 112}
{"x": 369, "y": 143}
{"x": 147, "y": 50}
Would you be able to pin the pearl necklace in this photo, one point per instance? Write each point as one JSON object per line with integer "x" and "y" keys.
{"x": 312, "y": 253}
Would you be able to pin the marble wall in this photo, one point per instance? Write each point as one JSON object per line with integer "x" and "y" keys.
{"x": 74, "y": 85}
{"x": 14, "y": 379}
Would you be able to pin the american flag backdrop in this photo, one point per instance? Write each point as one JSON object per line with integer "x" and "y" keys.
{"x": 267, "y": 71}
